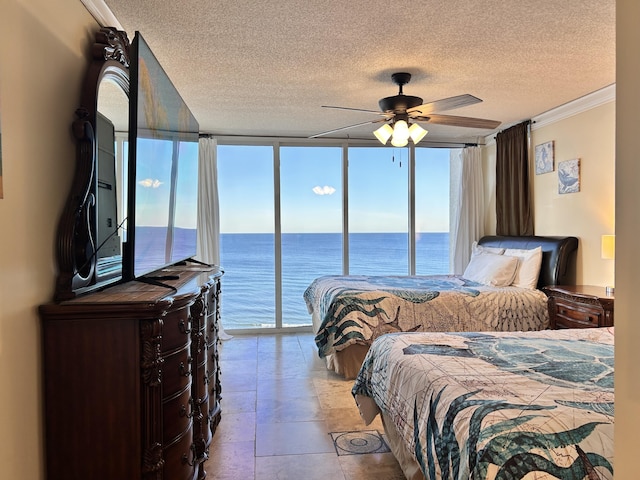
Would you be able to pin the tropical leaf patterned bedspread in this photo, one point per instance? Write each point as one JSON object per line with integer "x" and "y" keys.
{"x": 358, "y": 308}
{"x": 497, "y": 405}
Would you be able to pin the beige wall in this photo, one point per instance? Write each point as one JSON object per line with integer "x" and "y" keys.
{"x": 587, "y": 214}
{"x": 627, "y": 378}
{"x": 42, "y": 63}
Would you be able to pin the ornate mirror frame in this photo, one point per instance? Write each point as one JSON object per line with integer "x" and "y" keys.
{"x": 76, "y": 248}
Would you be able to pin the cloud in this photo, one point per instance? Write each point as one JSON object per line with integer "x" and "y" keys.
{"x": 326, "y": 190}
{"x": 149, "y": 182}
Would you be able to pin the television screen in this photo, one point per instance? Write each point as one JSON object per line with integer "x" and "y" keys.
{"x": 162, "y": 171}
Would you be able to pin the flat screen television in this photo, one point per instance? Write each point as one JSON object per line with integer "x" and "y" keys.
{"x": 162, "y": 193}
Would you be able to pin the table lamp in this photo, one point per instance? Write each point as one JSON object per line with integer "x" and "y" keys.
{"x": 608, "y": 251}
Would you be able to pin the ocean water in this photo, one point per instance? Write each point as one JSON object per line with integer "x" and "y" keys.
{"x": 152, "y": 251}
{"x": 248, "y": 286}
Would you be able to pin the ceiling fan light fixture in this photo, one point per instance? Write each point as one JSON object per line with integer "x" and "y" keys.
{"x": 399, "y": 142}
{"x": 417, "y": 133}
{"x": 400, "y": 131}
{"x": 383, "y": 133}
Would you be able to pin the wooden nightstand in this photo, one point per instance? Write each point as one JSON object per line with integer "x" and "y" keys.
{"x": 579, "y": 306}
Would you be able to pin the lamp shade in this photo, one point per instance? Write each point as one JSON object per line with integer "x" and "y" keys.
{"x": 399, "y": 142}
{"x": 608, "y": 248}
{"x": 383, "y": 133}
{"x": 417, "y": 133}
{"x": 400, "y": 131}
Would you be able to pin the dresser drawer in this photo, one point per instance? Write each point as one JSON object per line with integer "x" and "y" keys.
{"x": 176, "y": 372}
{"x": 211, "y": 299}
{"x": 576, "y": 315}
{"x": 179, "y": 458}
{"x": 176, "y": 329}
{"x": 176, "y": 415}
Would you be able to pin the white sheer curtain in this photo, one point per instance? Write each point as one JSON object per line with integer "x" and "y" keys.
{"x": 467, "y": 205}
{"x": 208, "y": 213}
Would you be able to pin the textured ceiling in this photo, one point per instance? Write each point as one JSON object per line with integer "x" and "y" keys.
{"x": 265, "y": 68}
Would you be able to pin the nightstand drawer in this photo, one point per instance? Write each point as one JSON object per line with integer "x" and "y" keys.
{"x": 575, "y": 315}
{"x": 579, "y": 306}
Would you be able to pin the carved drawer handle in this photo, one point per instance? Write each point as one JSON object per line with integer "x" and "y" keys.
{"x": 197, "y": 343}
{"x": 185, "y": 457}
{"x": 183, "y": 371}
{"x": 183, "y": 328}
{"x": 183, "y": 410}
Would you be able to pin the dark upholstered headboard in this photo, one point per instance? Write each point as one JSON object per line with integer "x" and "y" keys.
{"x": 558, "y": 255}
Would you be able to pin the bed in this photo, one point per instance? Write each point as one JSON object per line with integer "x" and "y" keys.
{"x": 494, "y": 405}
{"x": 349, "y": 312}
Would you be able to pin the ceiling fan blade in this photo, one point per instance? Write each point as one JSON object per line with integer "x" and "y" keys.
{"x": 454, "y": 121}
{"x": 378, "y": 112}
{"x": 444, "y": 104}
{"x": 347, "y": 127}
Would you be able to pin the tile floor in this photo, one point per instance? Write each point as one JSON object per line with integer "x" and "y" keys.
{"x": 279, "y": 406}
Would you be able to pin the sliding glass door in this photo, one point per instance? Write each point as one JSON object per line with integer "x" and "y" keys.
{"x": 311, "y": 223}
{"x": 432, "y": 210}
{"x": 247, "y": 238}
{"x": 284, "y": 212}
{"x": 378, "y": 220}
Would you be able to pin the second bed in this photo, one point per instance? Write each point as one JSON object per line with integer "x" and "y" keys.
{"x": 350, "y": 312}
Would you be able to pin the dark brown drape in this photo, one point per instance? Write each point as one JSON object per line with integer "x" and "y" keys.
{"x": 513, "y": 196}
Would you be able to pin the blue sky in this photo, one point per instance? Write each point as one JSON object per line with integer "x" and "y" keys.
{"x": 311, "y": 189}
{"x": 153, "y": 187}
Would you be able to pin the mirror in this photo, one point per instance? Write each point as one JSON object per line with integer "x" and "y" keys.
{"x": 112, "y": 125}
{"x": 90, "y": 232}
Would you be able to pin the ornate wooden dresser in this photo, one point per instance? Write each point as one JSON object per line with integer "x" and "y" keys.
{"x": 131, "y": 379}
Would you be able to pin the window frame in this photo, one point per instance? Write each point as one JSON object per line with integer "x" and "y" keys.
{"x": 276, "y": 144}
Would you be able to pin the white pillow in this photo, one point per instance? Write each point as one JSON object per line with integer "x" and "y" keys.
{"x": 476, "y": 249}
{"x": 491, "y": 269}
{"x": 529, "y": 262}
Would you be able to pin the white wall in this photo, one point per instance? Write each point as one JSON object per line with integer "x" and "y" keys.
{"x": 42, "y": 64}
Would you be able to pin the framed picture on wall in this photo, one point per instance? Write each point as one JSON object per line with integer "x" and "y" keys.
{"x": 569, "y": 176}
{"x": 544, "y": 158}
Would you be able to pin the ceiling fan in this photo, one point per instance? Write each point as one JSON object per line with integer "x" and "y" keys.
{"x": 401, "y": 114}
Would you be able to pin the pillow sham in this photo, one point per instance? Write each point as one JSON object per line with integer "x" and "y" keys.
{"x": 476, "y": 249}
{"x": 529, "y": 262}
{"x": 491, "y": 269}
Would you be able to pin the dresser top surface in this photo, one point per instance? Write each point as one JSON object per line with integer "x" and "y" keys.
{"x": 189, "y": 282}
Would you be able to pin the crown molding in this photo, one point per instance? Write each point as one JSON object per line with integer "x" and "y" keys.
{"x": 582, "y": 104}
{"x": 569, "y": 109}
{"x": 102, "y": 13}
